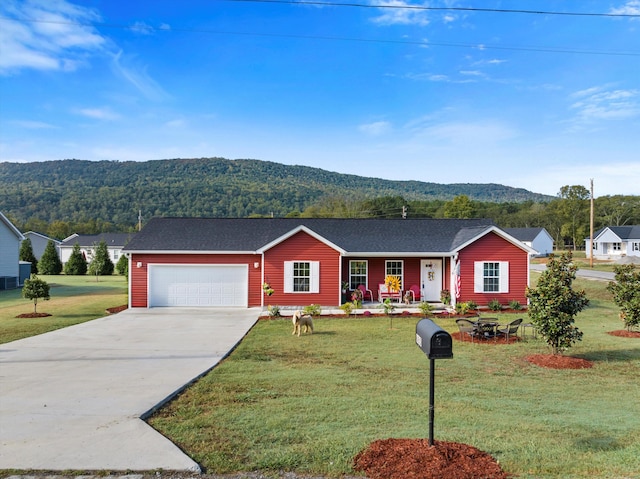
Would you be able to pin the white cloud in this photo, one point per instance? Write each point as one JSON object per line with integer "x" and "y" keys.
{"x": 138, "y": 76}
{"x": 46, "y": 35}
{"x": 376, "y": 128}
{"x": 595, "y": 104}
{"x": 142, "y": 28}
{"x": 466, "y": 132}
{"x": 632, "y": 7}
{"x": 398, "y": 15}
{"x": 98, "y": 113}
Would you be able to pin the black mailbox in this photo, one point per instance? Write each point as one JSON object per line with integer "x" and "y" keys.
{"x": 434, "y": 341}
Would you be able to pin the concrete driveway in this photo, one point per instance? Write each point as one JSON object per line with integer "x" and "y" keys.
{"x": 72, "y": 399}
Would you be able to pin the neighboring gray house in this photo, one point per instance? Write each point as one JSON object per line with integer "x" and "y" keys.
{"x": 115, "y": 243}
{"x": 39, "y": 243}
{"x": 614, "y": 242}
{"x": 10, "y": 239}
{"x": 537, "y": 238}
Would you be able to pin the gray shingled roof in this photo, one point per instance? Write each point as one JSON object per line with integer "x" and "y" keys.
{"x": 351, "y": 235}
{"x": 112, "y": 239}
{"x": 626, "y": 232}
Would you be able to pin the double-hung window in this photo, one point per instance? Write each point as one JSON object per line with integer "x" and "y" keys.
{"x": 491, "y": 277}
{"x": 301, "y": 277}
{"x": 636, "y": 246}
{"x": 395, "y": 268}
{"x": 616, "y": 246}
{"x": 357, "y": 273}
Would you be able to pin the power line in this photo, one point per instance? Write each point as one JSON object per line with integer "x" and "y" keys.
{"x": 479, "y": 46}
{"x": 421, "y": 7}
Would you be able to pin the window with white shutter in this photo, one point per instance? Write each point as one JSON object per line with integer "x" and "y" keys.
{"x": 301, "y": 276}
{"x": 491, "y": 277}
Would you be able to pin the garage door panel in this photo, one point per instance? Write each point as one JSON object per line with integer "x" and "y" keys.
{"x": 190, "y": 285}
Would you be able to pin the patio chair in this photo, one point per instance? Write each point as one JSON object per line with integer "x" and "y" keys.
{"x": 467, "y": 328}
{"x": 508, "y": 330}
{"x": 414, "y": 290}
{"x": 367, "y": 294}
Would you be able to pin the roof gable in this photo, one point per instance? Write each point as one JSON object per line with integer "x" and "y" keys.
{"x": 9, "y": 225}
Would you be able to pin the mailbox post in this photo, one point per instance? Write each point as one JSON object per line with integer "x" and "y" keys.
{"x": 436, "y": 343}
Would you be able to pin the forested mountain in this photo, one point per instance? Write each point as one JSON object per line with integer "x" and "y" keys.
{"x": 113, "y": 192}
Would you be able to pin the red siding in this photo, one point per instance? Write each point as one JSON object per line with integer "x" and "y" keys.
{"x": 303, "y": 247}
{"x": 138, "y": 276}
{"x": 494, "y": 248}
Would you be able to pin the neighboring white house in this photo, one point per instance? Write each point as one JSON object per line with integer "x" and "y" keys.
{"x": 537, "y": 238}
{"x": 115, "y": 243}
{"x": 39, "y": 243}
{"x": 614, "y": 242}
{"x": 10, "y": 239}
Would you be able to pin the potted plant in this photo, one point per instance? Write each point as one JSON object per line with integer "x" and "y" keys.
{"x": 268, "y": 290}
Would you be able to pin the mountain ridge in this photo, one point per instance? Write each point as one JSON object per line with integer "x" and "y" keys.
{"x": 74, "y": 189}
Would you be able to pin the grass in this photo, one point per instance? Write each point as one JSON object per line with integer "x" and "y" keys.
{"x": 74, "y": 299}
{"x": 310, "y": 404}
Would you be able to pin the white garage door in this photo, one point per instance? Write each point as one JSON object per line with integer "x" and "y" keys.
{"x": 195, "y": 285}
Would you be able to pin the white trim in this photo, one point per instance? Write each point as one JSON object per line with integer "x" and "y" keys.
{"x": 478, "y": 277}
{"x": 503, "y": 234}
{"x": 314, "y": 277}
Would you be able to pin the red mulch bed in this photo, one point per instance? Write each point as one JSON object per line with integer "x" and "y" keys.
{"x": 498, "y": 340}
{"x": 558, "y": 361}
{"x": 415, "y": 459}
{"x": 117, "y": 309}
{"x": 623, "y": 333}
{"x": 33, "y": 315}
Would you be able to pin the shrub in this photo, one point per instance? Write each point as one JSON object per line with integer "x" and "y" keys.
{"x": 515, "y": 305}
{"x": 462, "y": 308}
{"x": 553, "y": 304}
{"x": 348, "y": 308}
{"x": 425, "y": 308}
{"x": 495, "y": 305}
{"x": 472, "y": 305}
{"x": 626, "y": 294}
{"x": 274, "y": 311}
{"x": 312, "y": 309}
{"x": 26, "y": 254}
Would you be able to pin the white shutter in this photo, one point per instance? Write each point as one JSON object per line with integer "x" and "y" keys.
{"x": 288, "y": 276}
{"x": 478, "y": 277}
{"x": 314, "y": 283}
{"x": 504, "y": 277}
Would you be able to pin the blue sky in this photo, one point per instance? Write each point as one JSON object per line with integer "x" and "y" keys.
{"x": 444, "y": 94}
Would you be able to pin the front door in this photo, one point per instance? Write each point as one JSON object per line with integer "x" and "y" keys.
{"x": 430, "y": 279}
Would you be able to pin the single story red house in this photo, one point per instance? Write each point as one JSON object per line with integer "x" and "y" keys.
{"x": 232, "y": 261}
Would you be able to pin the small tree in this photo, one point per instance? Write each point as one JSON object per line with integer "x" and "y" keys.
{"x": 101, "y": 265}
{"x": 626, "y": 294}
{"x": 50, "y": 261}
{"x": 26, "y": 254}
{"x": 76, "y": 265}
{"x": 122, "y": 266}
{"x": 553, "y": 303}
{"x": 35, "y": 288}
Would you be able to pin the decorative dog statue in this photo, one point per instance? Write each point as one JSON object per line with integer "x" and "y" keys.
{"x": 407, "y": 298}
{"x": 301, "y": 320}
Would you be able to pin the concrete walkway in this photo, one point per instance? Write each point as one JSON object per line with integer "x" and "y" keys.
{"x": 72, "y": 399}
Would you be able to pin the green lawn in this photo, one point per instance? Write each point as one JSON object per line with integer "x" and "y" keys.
{"x": 74, "y": 299}
{"x": 309, "y": 404}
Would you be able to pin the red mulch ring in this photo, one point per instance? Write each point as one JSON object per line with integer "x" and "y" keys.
{"x": 498, "y": 340}
{"x": 33, "y": 315}
{"x": 415, "y": 459}
{"x": 117, "y": 309}
{"x": 623, "y": 333}
{"x": 558, "y": 361}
